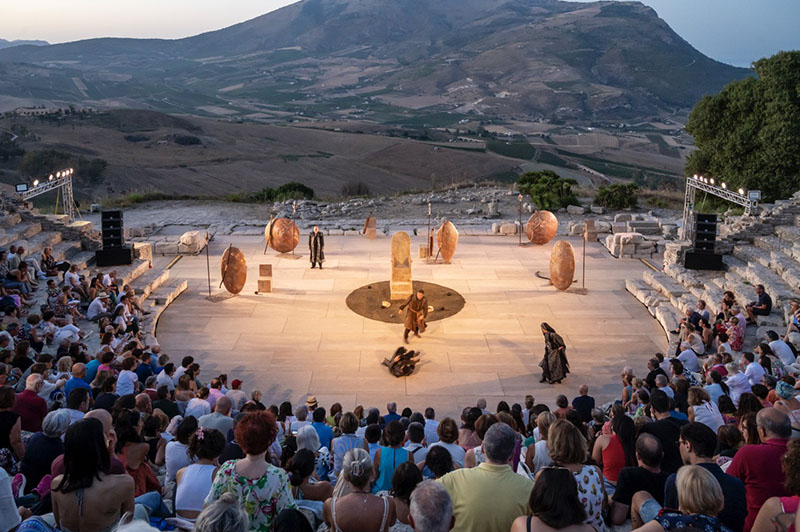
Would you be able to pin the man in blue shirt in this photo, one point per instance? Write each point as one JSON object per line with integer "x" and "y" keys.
{"x": 761, "y": 307}
{"x": 324, "y": 432}
{"x": 78, "y": 374}
{"x": 144, "y": 370}
{"x": 392, "y": 415}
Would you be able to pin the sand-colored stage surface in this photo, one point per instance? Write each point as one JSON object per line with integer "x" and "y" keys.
{"x": 302, "y": 339}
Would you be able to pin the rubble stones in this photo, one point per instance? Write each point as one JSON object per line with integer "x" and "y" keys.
{"x": 575, "y": 209}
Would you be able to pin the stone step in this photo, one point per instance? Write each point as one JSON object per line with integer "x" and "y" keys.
{"x": 788, "y": 233}
{"x": 166, "y": 294}
{"x": 158, "y": 301}
{"x": 36, "y": 243}
{"x": 9, "y": 220}
{"x": 663, "y": 283}
{"x": 82, "y": 259}
{"x": 20, "y": 231}
{"x": 150, "y": 281}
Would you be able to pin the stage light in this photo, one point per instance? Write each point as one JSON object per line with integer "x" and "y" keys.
{"x": 724, "y": 186}
{"x": 36, "y": 183}
{"x": 741, "y": 191}
{"x": 58, "y": 174}
{"x": 712, "y": 180}
{"x": 50, "y": 178}
{"x": 695, "y": 176}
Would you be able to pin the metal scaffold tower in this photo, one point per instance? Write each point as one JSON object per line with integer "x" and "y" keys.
{"x": 746, "y": 198}
{"x": 60, "y": 180}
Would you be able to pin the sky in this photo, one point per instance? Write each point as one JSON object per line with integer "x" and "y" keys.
{"x": 733, "y": 31}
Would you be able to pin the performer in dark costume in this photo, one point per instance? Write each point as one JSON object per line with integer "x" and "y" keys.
{"x": 402, "y": 363}
{"x": 555, "y": 365}
{"x": 316, "y": 248}
{"x": 417, "y": 311}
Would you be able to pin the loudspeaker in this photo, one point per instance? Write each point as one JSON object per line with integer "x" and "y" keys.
{"x": 693, "y": 260}
{"x": 114, "y": 252}
{"x": 114, "y": 256}
{"x": 705, "y": 232}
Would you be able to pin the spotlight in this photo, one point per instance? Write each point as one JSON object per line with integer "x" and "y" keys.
{"x": 724, "y": 186}
{"x": 58, "y": 174}
{"x": 741, "y": 191}
{"x": 36, "y": 183}
{"x": 50, "y": 178}
{"x": 712, "y": 180}
{"x": 695, "y": 176}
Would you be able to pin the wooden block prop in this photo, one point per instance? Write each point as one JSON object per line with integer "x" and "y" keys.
{"x": 264, "y": 278}
{"x": 562, "y": 265}
{"x": 400, "y": 286}
{"x": 264, "y": 285}
{"x": 423, "y": 251}
{"x": 265, "y": 270}
{"x": 233, "y": 268}
{"x": 371, "y": 228}
{"x": 542, "y": 227}
{"x": 282, "y": 235}
{"x": 447, "y": 239}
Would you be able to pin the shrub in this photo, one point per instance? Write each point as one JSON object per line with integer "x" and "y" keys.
{"x": 355, "y": 188}
{"x": 617, "y": 196}
{"x": 187, "y": 140}
{"x": 547, "y": 189}
{"x": 136, "y": 138}
{"x": 287, "y": 191}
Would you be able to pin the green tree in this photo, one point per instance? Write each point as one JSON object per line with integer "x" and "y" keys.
{"x": 748, "y": 134}
{"x": 617, "y": 196}
{"x": 547, "y": 189}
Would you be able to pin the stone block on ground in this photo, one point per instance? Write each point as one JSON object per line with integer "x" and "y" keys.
{"x": 192, "y": 242}
{"x": 508, "y": 229}
{"x": 264, "y": 286}
{"x": 142, "y": 251}
{"x": 166, "y": 247}
{"x": 575, "y": 209}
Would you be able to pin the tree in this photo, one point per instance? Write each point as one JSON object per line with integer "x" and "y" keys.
{"x": 547, "y": 189}
{"x": 748, "y": 134}
{"x": 617, "y": 196}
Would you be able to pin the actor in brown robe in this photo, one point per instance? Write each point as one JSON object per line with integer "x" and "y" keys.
{"x": 416, "y": 311}
{"x": 316, "y": 248}
{"x": 555, "y": 365}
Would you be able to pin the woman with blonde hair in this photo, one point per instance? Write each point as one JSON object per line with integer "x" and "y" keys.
{"x": 537, "y": 454}
{"x": 702, "y": 410}
{"x": 699, "y": 501}
{"x": 568, "y": 448}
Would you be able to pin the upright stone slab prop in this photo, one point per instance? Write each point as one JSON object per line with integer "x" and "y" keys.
{"x": 562, "y": 265}
{"x": 282, "y": 235}
{"x": 233, "y": 269}
{"x": 447, "y": 239}
{"x": 542, "y": 227}
{"x": 370, "y": 228}
{"x": 400, "y": 286}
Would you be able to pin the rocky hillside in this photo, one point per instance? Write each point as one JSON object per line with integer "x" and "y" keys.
{"x": 391, "y": 60}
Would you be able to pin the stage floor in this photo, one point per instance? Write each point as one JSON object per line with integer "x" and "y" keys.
{"x": 302, "y": 339}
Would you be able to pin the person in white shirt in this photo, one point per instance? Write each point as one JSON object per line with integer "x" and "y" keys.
{"x": 752, "y": 369}
{"x": 67, "y": 332}
{"x": 431, "y": 426}
{"x": 416, "y": 442}
{"x": 127, "y": 379}
{"x": 198, "y": 406}
{"x": 236, "y": 395}
{"x": 110, "y": 278}
{"x": 663, "y": 363}
{"x": 164, "y": 377}
{"x": 662, "y": 383}
{"x": 185, "y": 363}
{"x": 98, "y": 307}
{"x": 73, "y": 280}
{"x": 703, "y": 311}
{"x": 780, "y": 348}
{"x": 688, "y": 358}
{"x": 737, "y": 382}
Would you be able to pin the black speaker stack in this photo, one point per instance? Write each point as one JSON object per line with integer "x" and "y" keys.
{"x": 114, "y": 252}
{"x": 702, "y": 255}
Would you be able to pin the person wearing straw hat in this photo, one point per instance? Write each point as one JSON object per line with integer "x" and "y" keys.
{"x": 98, "y": 308}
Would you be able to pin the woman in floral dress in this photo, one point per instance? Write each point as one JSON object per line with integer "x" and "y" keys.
{"x": 261, "y": 488}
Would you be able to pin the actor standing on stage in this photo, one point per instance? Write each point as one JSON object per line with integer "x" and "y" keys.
{"x": 416, "y": 311}
{"x": 316, "y": 247}
{"x": 554, "y": 364}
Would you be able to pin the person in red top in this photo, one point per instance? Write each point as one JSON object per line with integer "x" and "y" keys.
{"x": 31, "y": 408}
{"x": 616, "y": 451}
{"x": 759, "y": 466}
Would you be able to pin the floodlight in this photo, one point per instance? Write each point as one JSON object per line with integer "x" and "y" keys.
{"x": 21, "y": 187}
{"x": 741, "y": 191}
{"x": 712, "y": 180}
{"x": 724, "y": 186}
{"x": 36, "y": 183}
{"x": 58, "y": 174}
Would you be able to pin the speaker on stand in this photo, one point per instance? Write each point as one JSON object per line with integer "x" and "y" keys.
{"x": 114, "y": 251}
{"x": 702, "y": 255}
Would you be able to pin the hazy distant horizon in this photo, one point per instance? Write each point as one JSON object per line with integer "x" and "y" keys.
{"x": 737, "y": 32}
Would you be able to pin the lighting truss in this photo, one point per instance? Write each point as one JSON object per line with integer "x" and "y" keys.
{"x": 62, "y": 179}
{"x": 747, "y": 199}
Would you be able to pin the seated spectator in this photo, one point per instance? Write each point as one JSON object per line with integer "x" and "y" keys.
{"x": 390, "y": 456}
{"x": 700, "y": 500}
{"x": 164, "y": 377}
{"x": 431, "y": 509}
{"x": 77, "y": 380}
{"x": 762, "y": 306}
{"x": 667, "y": 429}
{"x": 737, "y": 382}
{"x": 537, "y": 454}
{"x": 348, "y": 424}
{"x": 715, "y": 387}
{"x": 176, "y": 454}
{"x": 197, "y": 406}
{"x": 301, "y": 416}
{"x": 662, "y": 383}
{"x": 584, "y": 403}
{"x": 698, "y": 444}
{"x": 562, "y": 404}
{"x": 467, "y": 438}
{"x": 615, "y": 451}
{"x": 405, "y": 479}
{"x": 127, "y": 380}
{"x": 308, "y": 438}
{"x": 324, "y": 432}
{"x": 44, "y": 447}
{"x": 636, "y": 484}
{"x": 372, "y": 438}
{"x": 223, "y": 515}
{"x": 437, "y": 464}
{"x": 431, "y": 427}
{"x": 780, "y": 348}
{"x": 86, "y": 497}
{"x": 260, "y": 487}
{"x": 238, "y": 397}
{"x": 554, "y": 504}
{"x": 152, "y": 430}
{"x": 654, "y": 369}
{"x": 759, "y": 466}
{"x": 448, "y": 438}
{"x": 31, "y": 408}
{"x": 702, "y": 410}
{"x": 194, "y": 481}
{"x": 220, "y": 419}
{"x": 306, "y": 490}
{"x": 489, "y": 497}
{"x": 11, "y": 448}
{"x": 164, "y": 404}
{"x": 688, "y": 355}
{"x": 776, "y": 511}
{"x": 232, "y": 450}
{"x": 475, "y": 455}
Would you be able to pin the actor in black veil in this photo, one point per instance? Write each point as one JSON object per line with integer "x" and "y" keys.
{"x": 316, "y": 247}
{"x": 402, "y": 363}
{"x": 554, "y": 364}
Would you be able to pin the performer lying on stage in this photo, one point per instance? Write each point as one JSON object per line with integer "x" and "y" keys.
{"x": 417, "y": 311}
{"x": 402, "y": 362}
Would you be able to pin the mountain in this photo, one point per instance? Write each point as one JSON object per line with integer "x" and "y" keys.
{"x": 412, "y": 62}
{"x": 8, "y": 44}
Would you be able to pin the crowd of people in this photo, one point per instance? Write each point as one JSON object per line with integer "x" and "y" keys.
{"x": 705, "y": 437}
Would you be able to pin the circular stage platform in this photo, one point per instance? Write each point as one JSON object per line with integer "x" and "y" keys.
{"x": 370, "y": 300}
{"x": 303, "y": 339}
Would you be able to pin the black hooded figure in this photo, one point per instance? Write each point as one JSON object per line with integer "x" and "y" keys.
{"x": 316, "y": 247}
{"x": 554, "y": 364}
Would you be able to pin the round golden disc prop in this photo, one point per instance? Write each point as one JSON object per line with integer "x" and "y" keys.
{"x": 562, "y": 265}
{"x": 233, "y": 268}
{"x": 282, "y": 235}
{"x": 542, "y": 227}
{"x": 447, "y": 239}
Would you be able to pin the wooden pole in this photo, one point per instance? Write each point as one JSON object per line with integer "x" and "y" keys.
{"x": 208, "y": 270}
